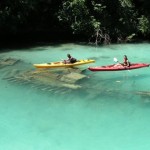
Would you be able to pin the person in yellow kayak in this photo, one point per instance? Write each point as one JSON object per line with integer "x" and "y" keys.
{"x": 70, "y": 59}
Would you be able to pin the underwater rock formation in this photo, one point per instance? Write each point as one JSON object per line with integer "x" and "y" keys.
{"x": 8, "y": 62}
{"x": 67, "y": 78}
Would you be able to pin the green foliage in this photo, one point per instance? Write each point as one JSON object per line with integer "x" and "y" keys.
{"x": 144, "y": 25}
{"x": 98, "y": 7}
{"x": 76, "y": 14}
{"x": 27, "y": 15}
{"x": 115, "y": 18}
{"x": 130, "y": 37}
{"x": 79, "y": 17}
{"x": 126, "y": 3}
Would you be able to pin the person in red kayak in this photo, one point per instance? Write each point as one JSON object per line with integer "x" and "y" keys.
{"x": 70, "y": 59}
{"x": 126, "y": 61}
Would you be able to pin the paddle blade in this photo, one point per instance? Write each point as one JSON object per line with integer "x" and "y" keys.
{"x": 115, "y": 59}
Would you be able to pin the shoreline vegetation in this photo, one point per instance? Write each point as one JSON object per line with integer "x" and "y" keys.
{"x": 93, "y": 22}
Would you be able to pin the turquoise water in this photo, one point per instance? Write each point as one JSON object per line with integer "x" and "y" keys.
{"x": 109, "y": 112}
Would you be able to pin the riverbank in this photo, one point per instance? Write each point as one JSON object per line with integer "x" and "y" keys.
{"x": 28, "y": 39}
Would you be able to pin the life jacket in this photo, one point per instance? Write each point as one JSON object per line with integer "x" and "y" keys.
{"x": 125, "y": 60}
{"x": 72, "y": 60}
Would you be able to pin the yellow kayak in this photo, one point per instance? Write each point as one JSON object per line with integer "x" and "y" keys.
{"x": 61, "y": 64}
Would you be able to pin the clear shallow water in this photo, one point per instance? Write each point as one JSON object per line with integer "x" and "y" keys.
{"x": 110, "y": 111}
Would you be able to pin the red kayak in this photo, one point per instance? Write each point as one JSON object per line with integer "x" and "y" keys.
{"x": 118, "y": 67}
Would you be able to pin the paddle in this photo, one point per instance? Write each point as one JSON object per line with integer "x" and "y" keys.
{"x": 63, "y": 61}
{"x": 116, "y": 60}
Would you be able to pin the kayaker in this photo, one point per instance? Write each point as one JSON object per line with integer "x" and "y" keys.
{"x": 126, "y": 61}
{"x": 70, "y": 59}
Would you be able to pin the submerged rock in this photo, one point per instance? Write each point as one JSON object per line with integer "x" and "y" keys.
{"x": 8, "y": 62}
{"x": 66, "y": 77}
{"x": 72, "y": 86}
{"x": 47, "y": 77}
{"x": 146, "y": 93}
{"x": 72, "y": 77}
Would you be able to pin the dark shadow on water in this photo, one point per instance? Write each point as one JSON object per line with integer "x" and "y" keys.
{"x": 29, "y": 46}
{"x": 5, "y": 47}
{"x": 33, "y": 40}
